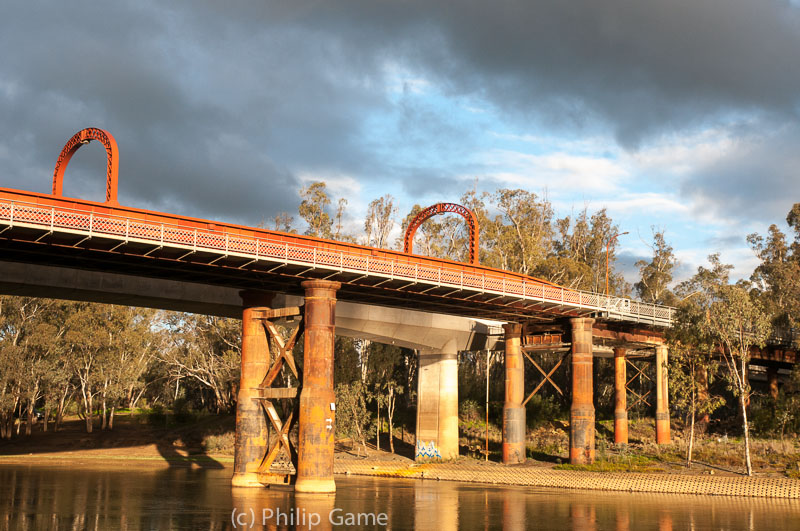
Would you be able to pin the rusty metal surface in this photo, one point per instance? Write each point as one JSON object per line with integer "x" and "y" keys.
{"x": 513, "y": 410}
{"x": 317, "y": 399}
{"x": 445, "y": 208}
{"x": 662, "y": 397}
{"x": 84, "y": 136}
{"x": 251, "y": 428}
{"x": 581, "y": 415}
{"x": 266, "y": 394}
{"x": 620, "y": 397}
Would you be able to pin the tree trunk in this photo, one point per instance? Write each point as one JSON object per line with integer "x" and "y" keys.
{"x": 743, "y": 404}
{"x": 46, "y": 415}
{"x": 691, "y": 432}
{"x": 87, "y": 408}
{"x": 390, "y": 414}
{"x": 60, "y": 410}
{"x": 111, "y": 418}
{"x": 104, "y": 421}
{"x": 378, "y": 426}
{"x": 29, "y": 423}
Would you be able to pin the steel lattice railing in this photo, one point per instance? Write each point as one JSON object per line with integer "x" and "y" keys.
{"x": 272, "y": 248}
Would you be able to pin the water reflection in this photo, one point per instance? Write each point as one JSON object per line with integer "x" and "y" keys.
{"x": 89, "y": 497}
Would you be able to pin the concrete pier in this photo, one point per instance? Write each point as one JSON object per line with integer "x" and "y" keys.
{"x": 317, "y": 399}
{"x": 620, "y": 397}
{"x": 251, "y": 425}
{"x": 513, "y": 410}
{"x": 662, "y": 397}
{"x": 437, "y": 404}
{"x": 581, "y": 414}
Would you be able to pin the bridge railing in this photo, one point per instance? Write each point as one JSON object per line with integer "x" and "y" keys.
{"x": 334, "y": 257}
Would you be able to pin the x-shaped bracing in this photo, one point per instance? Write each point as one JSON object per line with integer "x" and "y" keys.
{"x": 547, "y": 375}
{"x": 269, "y": 393}
{"x": 639, "y": 397}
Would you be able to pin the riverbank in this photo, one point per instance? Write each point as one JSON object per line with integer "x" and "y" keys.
{"x": 205, "y": 444}
{"x": 462, "y": 470}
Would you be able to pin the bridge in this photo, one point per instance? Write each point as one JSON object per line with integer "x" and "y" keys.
{"x": 77, "y": 249}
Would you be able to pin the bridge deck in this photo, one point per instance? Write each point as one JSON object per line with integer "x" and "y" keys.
{"x": 41, "y": 228}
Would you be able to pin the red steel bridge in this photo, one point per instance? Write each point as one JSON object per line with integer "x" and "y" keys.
{"x": 52, "y": 230}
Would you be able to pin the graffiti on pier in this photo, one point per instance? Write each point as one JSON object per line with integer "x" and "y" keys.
{"x": 428, "y": 450}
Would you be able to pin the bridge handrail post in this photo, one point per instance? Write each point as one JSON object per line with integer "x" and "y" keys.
{"x": 162, "y": 235}
{"x": 341, "y": 261}
{"x": 462, "y": 279}
{"x": 194, "y": 242}
{"x": 416, "y": 272}
{"x": 315, "y": 257}
{"x": 11, "y": 216}
{"x": 226, "y": 244}
{"x": 91, "y": 224}
{"x": 52, "y": 218}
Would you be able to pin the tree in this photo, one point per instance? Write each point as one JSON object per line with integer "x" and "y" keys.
{"x": 691, "y": 361}
{"x": 207, "y": 351}
{"x": 520, "y": 238}
{"x": 379, "y": 221}
{"x": 312, "y": 210}
{"x": 352, "y": 416}
{"x": 656, "y": 275}
{"x": 777, "y": 277}
{"x": 737, "y": 323}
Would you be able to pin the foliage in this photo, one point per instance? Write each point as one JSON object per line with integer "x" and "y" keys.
{"x": 656, "y": 275}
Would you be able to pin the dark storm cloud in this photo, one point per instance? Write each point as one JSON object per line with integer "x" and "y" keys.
{"x": 638, "y": 66}
{"x": 218, "y": 107}
{"x": 206, "y": 124}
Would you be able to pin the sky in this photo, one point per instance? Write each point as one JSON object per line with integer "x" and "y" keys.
{"x": 678, "y": 115}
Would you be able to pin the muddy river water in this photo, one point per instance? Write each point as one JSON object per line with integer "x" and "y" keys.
{"x": 124, "y": 495}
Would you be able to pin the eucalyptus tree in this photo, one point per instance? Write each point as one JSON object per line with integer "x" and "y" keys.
{"x": 379, "y": 221}
{"x": 313, "y": 210}
{"x": 656, "y": 275}
{"x": 204, "y": 350}
{"x": 738, "y": 323}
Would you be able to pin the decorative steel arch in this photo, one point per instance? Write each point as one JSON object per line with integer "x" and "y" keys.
{"x": 444, "y": 208}
{"x": 84, "y": 136}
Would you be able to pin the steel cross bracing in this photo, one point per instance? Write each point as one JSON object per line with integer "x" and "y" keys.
{"x": 112, "y": 235}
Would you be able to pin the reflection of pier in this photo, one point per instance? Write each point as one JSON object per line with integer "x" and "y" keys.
{"x": 97, "y": 497}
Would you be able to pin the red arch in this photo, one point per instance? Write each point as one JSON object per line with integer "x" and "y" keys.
{"x": 84, "y": 136}
{"x": 444, "y": 208}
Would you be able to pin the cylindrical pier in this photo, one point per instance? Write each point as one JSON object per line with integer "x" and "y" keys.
{"x": 581, "y": 414}
{"x": 662, "y": 397}
{"x": 513, "y": 410}
{"x": 620, "y": 397}
{"x": 252, "y": 433}
{"x": 317, "y": 399}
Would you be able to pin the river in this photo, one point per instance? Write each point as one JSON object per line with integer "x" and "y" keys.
{"x": 124, "y": 495}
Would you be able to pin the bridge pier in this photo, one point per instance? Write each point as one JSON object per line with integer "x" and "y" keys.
{"x": 317, "y": 399}
{"x": 251, "y": 426}
{"x": 437, "y": 404}
{"x": 662, "y": 397}
{"x": 581, "y": 414}
{"x": 772, "y": 381}
{"x": 620, "y": 397}
{"x": 513, "y": 410}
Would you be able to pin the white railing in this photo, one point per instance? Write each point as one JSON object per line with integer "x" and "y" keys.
{"x": 286, "y": 250}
